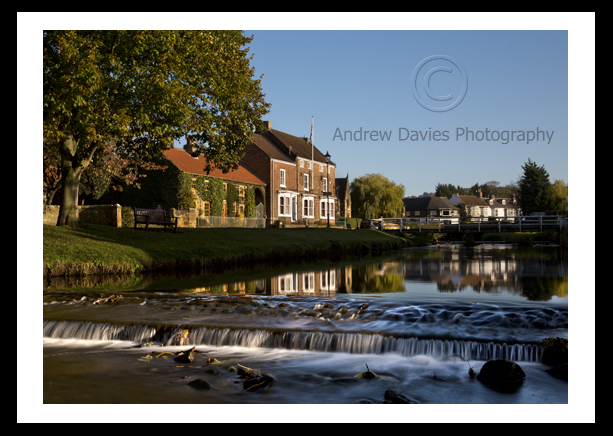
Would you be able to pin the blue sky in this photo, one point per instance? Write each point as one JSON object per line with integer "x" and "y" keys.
{"x": 351, "y": 80}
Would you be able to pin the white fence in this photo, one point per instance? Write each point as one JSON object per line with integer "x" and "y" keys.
{"x": 529, "y": 223}
{"x": 221, "y": 221}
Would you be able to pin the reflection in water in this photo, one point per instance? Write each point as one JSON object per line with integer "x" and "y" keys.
{"x": 405, "y": 315}
{"x": 531, "y": 274}
{"x": 534, "y": 274}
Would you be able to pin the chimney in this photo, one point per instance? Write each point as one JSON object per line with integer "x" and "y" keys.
{"x": 267, "y": 124}
{"x": 189, "y": 146}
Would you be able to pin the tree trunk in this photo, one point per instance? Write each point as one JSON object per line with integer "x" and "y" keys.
{"x": 69, "y": 197}
{"x": 72, "y": 168}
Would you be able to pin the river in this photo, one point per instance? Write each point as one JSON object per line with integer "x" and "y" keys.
{"x": 418, "y": 320}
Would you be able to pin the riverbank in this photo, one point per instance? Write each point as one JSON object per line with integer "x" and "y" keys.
{"x": 95, "y": 250}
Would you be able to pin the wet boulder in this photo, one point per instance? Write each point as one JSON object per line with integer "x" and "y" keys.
{"x": 501, "y": 375}
{"x": 559, "y": 371}
{"x": 200, "y": 385}
{"x": 555, "y": 351}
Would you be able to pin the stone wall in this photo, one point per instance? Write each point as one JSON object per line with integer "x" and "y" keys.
{"x": 105, "y": 214}
{"x": 185, "y": 218}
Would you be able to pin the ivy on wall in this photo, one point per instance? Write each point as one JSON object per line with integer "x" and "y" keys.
{"x": 232, "y": 199}
{"x": 211, "y": 189}
{"x": 172, "y": 189}
{"x": 249, "y": 203}
{"x": 185, "y": 195}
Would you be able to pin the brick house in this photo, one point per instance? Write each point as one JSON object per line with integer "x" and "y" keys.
{"x": 296, "y": 175}
{"x": 242, "y": 178}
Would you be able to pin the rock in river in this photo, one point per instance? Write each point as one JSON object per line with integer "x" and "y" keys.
{"x": 501, "y": 375}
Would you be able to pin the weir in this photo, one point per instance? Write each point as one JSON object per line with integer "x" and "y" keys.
{"x": 353, "y": 343}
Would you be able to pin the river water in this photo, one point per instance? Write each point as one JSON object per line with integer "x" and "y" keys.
{"x": 419, "y": 320}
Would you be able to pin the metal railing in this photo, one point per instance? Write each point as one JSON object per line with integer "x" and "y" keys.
{"x": 221, "y": 221}
{"x": 446, "y": 224}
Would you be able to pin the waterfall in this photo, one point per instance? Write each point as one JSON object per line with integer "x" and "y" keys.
{"x": 354, "y": 343}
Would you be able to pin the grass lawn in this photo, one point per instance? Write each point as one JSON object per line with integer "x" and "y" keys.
{"x": 104, "y": 249}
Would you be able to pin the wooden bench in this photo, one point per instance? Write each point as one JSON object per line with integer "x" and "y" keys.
{"x": 153, "y": 216}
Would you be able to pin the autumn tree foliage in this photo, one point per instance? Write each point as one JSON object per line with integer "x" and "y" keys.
{"x": 117, "y": 99}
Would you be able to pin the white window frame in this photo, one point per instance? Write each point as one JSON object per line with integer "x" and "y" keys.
{"x": 325, "y": 184}
{"x": 286, "y": 283}
{"x": 301, "y": 163}
{"x": 328, "y": 209}
{"x": 306, "y": 182}
{"x": 309, "y": 211}
{"x": 308, "y": 282}
{"x": 321, "y": 168}
{"x": 323, "y": 280}
{"x": 282, "y": 178}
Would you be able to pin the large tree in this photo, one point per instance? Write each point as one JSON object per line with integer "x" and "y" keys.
{"x": 141, "y": 91}
{"x": 374, "y": 196}
{"x": 534, "y": 189}
{"x": 559, "y": 197}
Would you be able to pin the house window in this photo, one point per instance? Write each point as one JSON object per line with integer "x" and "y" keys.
{"x": 325, "y": 184}
{"x": 282, "y": 178}
{"x": 306, "y": 182}
{"x": 288, "y": 283}
{"x": 321, "y": 168}
{"x": 206, "y": 185}
{"x": 328, "y": 280}
{"x": 301, "y": 163}
{"x": 241, "y": 191}
{"x": 310, "y": 165}
{"x": 207, "y": 208}
{"x": 416, "y": 213}
{"x": 284, "y": 205}
{"x": 308, "y": 282}
{"x": 307, "y": 208}
{"x": 329, "y": 209}
{"x": 225, "y": 187}
{"x": 281, "y": 205}
{"x": 193, "y": 183}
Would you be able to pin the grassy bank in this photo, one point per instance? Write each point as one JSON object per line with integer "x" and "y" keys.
{"x": 95, "y": 250}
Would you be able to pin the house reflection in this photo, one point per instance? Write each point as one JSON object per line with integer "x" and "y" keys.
{"x": 484, "y": 272}
{"x": 451, "y": 271}
{"x": 319, "y": 283}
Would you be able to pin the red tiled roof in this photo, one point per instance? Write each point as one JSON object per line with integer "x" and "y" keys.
{"x": 195, "y": 165}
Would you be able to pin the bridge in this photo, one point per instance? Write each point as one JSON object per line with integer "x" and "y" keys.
{"x": 473, "y": 224}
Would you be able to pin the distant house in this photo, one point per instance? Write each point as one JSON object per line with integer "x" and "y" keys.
{"x": 344, "y": 196}
{"x": 299, "y": 182}
{"x": 430, "y": 207}
{"x": 501, "y": 207}
{"x": 474, "y": 206}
